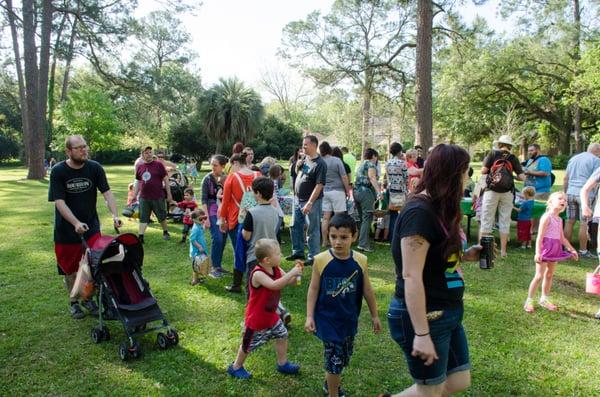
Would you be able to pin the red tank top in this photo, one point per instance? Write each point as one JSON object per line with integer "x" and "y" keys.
{"x": 261, "y": 311}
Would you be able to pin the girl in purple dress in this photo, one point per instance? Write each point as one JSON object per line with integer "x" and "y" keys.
{"x": 549, "y": 250}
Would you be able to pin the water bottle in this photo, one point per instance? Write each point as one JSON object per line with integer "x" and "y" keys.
{"x": 486, "y": 257}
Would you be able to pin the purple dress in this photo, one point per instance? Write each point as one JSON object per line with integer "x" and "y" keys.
{"x": 552, "y": 248}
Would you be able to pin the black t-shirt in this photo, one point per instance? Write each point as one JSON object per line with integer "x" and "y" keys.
{"x": 444, "y": 286}
{"x": 489, "y": 160}
{"x": 78, "y": 187}
{"x": 311, "y": 173}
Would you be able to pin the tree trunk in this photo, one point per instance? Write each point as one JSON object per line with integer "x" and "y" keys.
{"x": 21, "y": 81}
{"x": 576, "y": 57}
{"x": 31, "y": 88}
{"x": 366, "y": 121}
{"x": 564, "y": 139}
{"x": 423, "y": 107}
{"x": 69, "y": 58}
{"x": 51, "y": 83}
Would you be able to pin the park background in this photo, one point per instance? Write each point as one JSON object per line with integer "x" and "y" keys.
{"x": 125, "y": 74}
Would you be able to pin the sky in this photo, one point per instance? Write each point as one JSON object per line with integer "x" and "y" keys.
{"x": 240, "y": 38}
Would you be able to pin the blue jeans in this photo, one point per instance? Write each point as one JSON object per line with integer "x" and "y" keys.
{"x": 313, "y": 220}
{"x": 217, "y": 242}
{"x": 447, "y": 334}
{"x": 393, "y": 218}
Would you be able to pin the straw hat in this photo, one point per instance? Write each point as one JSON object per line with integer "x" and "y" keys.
{"x": 505, "y": 139}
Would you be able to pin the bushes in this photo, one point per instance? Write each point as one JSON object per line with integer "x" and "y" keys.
{"x": 559, "y": 161}
{"x": 125, "y": 156}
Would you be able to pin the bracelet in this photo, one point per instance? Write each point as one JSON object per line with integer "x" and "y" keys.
{"x": 425, "y": 334}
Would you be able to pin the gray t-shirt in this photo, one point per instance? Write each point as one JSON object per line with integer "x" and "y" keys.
{"x": 579, "y": 169}
{"x": 335, "y": 172}
{"x": 262, "y": 221}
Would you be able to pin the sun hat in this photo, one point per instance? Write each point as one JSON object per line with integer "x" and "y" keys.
{"x": 505, "y": 139}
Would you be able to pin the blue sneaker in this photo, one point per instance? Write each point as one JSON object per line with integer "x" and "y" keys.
{"x": 288, "y": 368}
{"x": 239, "y": 373}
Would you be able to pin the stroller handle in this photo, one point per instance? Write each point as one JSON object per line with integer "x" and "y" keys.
{"x": 85, "y": 244}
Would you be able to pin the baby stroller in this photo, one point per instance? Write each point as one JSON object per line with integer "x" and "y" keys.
{"x": 124, "y": 294}
{"x": 178, "y": 182}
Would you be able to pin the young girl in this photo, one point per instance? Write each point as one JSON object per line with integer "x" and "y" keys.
{"x": 524, "y": 216}
{"x": 549, "y": 250}
{"x": 198, "y": 247}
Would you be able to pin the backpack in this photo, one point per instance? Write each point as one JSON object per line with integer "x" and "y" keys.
{"x": 248, "y": 200}
{"x": 500, "y": 178}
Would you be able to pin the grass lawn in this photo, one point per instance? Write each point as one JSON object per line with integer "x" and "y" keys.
{"x": 44, "y": 352}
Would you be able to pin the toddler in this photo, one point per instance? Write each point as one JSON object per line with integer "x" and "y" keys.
{"x": 549, "y": 250}
{"x": 524, "y": 216}
{"x": 262, "y": 321}
{"x": 187, "y": 205}
{"x": 198, "y": 247}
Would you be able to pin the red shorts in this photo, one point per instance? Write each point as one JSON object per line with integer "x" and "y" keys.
{"x": 524, "y": 230}
{"x": 69, "y": 255}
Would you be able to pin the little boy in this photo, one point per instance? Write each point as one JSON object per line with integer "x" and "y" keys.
{"x": 261, "y": 222}
{"x": 338, "y": 283}
{"x": 524, "y": 216}
{"x": 198, "y": 247}
{"x": 262, "y": 322}
{"x": 187, "y": 205}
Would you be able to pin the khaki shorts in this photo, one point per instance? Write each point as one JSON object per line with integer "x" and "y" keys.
{"x": 492, "y": 202}
{"x": 334, "y": 201}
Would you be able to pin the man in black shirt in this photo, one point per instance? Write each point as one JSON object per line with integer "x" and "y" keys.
{"x": 73, "y": 185}
{"x": 308, "y": 190}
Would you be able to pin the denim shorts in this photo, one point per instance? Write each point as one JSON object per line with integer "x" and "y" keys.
{"x": 447, "y": 334}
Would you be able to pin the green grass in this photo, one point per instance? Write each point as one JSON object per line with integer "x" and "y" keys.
{"x": 44, "y": 352}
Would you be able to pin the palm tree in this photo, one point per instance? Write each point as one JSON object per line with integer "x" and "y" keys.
{"x": 230, "y": 111}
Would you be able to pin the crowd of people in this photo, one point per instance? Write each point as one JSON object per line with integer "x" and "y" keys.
{"x": 334, "y": 204}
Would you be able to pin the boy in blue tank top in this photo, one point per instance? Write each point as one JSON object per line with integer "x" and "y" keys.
{"x": 338, "y": 284}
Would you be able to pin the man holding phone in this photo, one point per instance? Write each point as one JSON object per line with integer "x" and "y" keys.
{"x": 73, "y": 189}
{"x": 312, "y": 171}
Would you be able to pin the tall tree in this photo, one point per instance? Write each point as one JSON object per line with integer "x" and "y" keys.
{"x": 358, "y": 42}
{"x": 230, "y": 111}
{"x": 424, "y": 130}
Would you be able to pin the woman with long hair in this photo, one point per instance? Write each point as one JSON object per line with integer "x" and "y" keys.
{"x": 425, "y": 314}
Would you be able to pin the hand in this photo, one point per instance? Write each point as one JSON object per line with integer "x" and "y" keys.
{"x": 309, "y": 325}
{"x": 117, "y": 222}
{"x": 298, "y": 268}
{"x": 575, "y": 254}
{"x": 223, "y": 227}
{"x": 472, "y": 254}
{"x": 207, "y": 223}
{"x": 424, "y": 349}
{"x": 81, "y": 228}
{"x": 537, "y": 258}
{"x": 586, "y": 211}
{"x": 376, "y": 324}
{"x": 307, "y": 207}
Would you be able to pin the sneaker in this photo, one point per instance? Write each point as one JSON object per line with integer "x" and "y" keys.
{"x": 216, "y": 274}
{"x": 293, "y": 257}
{"x": 288, "y": 368}
{"x": 309, "y": 262}
{"x": 141, "y": 238}
{"x": 529, "y": 306}
{"x": 326, "y": 390}
{"x": 239, "y": 373}
{"x": 91, "y": 307}
{"x": 597, "y": 315}
{"x": 224, "y": 271}
{"x": 166, "y": 235}
{"x": 365, "y": 249}
{"x": 546, "y": 304}
{"x": 586, "y": 255}
{"x": 76, "y": 311}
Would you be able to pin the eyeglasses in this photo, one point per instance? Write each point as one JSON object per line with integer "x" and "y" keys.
{"x": 80, "y": 147}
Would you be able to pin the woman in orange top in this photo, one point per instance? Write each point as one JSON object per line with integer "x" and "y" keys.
{"x": 229, "y": 208}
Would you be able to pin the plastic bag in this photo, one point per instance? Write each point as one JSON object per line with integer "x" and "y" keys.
{"x": 83, "y": 287}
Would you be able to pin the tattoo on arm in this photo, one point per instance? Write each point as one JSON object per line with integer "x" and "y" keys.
{"x": 415, "y": 242}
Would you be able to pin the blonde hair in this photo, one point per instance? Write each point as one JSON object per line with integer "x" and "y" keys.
{"x": 412, "y": 153}
{"x": 264, "y": 248}
{"x": 553, "y": 196}
{"x": 529, "y": 191}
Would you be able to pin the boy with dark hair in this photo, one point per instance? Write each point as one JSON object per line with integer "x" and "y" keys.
{"x": 188, "y": 205}
{"x": 338, "y": 284}
{"x": 262, "y": 322}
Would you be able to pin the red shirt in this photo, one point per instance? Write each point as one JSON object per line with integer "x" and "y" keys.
{"x": 151, "y": 177}
{"x": 261, "y": 311}
{"x": 184, "y": 205}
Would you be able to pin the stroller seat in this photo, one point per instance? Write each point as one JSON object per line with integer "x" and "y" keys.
{"x": 147, "y": 302}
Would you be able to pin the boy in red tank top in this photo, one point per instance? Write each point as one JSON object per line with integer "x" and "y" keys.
{"x": 262, "y": 321}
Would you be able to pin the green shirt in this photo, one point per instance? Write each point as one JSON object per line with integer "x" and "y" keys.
{"x": 351, "y": 161}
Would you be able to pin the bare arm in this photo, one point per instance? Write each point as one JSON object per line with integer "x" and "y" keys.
{"x": 584, "y": 195}
{"x": 521, "y": 177}
{"x": 311, "y": 300}
{"x": 414, "y": 171}
{"x": 261, "y": 279}
{"x": 246, "y": 234}
{"x": 66, "y": 213}
{"x": 565, "y": 183}
{"x": 168, "y": 188}
{"x": 371, "y": 302}
{"x": 346, "y": 183}
{"x": 112, "y": 206}
{"x": 373, "y": 178}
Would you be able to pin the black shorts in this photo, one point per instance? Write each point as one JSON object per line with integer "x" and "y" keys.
{"x": 337, "y": 355}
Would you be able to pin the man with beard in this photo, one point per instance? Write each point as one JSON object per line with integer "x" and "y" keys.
{"x": 538, "y": 170}
{"x": 73, "y": 185}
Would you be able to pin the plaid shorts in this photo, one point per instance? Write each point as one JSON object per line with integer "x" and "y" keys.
{"x": 337, "y": 355}
{"x": 254, "y": 339}
{"x": 574, "y": 208}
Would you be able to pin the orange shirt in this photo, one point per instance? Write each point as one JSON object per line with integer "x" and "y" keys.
{"x": 232, "y": 196}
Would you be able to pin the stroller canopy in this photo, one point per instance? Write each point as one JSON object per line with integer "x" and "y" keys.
{"x": 116, "y": 254}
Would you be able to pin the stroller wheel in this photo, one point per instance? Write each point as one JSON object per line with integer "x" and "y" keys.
{"x": 173, "y": 337}
{"x": 162, "y": 341}
{"x": 123, "y": 351}
{"x": 105, "y": 333}
{"x": 97, "y": 335}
